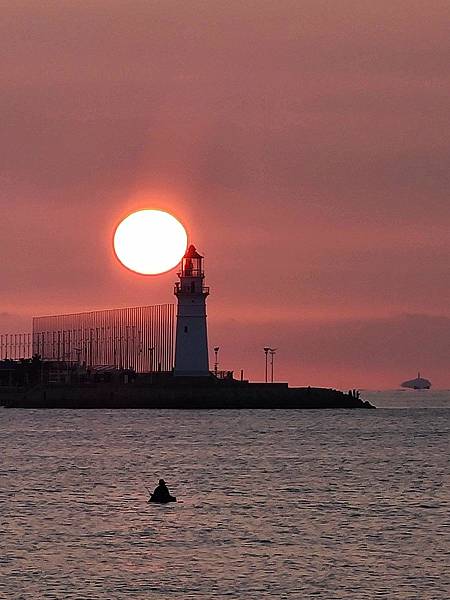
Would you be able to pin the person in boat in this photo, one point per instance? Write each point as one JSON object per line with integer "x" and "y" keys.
{"x": 161, "y": 493}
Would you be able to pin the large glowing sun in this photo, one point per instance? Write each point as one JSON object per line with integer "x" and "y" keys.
{"x": 150, "y": 242}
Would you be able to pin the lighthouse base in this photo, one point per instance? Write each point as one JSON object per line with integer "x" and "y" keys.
{"x": 189, "y": 374}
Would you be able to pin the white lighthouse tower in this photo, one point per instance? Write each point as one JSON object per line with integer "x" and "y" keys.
{"x": 191, "y": 346}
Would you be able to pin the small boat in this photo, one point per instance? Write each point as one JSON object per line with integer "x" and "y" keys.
{"x": 417, "y": 384}
{"x": 162, "y": 500}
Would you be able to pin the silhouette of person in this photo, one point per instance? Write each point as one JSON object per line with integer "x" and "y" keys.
{"x": 161, "y": 493}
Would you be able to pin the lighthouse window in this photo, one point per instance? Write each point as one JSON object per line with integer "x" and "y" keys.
{"x": 185, "y": 329}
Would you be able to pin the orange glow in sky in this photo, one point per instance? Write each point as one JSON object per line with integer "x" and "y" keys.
{"x": 305, "y": 144}
{"x": 150, "y": 242}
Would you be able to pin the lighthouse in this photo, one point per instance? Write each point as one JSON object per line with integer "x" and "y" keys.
{"x": 191, "y": 345}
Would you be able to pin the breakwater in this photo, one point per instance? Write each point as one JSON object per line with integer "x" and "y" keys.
{"x": 134, "y": 396}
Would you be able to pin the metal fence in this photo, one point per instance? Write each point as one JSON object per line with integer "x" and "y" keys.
{"x": 140, "y": 338}
{"x": 16, "y": 345}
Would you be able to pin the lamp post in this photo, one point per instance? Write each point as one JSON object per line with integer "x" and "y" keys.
{"x": 78, "y": 351}
{"x": 151, "y": 350}
{"x": 272, "y": 353}
{"x": 216, "y": 359}
{"x": 127, "y": 352}
{"x": 266, "y": 352}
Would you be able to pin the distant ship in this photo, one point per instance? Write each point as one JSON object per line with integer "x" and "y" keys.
{"x": 417, "y": 384}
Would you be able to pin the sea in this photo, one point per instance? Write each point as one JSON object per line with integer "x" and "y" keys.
{"x": 331, "y": 504}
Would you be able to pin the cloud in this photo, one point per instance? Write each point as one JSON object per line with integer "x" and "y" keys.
{"x": 304, "y": 144}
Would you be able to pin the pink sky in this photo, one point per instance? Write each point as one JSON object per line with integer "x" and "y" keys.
{"x": 305, "y": 144}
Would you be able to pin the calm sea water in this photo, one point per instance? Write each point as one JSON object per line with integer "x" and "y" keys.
{"x": 276, "y": 504}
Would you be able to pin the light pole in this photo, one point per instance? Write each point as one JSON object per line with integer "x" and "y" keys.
{"x": 127, "y": 353}
{"x": 216, "y": 359}
{"x": 272, "y": 353}
{"x": 151, "y": 350}
{"x": 266, "y": 352}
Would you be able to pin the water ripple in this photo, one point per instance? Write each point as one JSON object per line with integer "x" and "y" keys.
{"x": 276, "y": 504}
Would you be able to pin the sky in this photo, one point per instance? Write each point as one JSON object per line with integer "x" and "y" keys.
{"x": 304, "y": 145}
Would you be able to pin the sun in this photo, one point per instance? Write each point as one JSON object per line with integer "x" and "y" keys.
{"x": 150, "y": 242}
